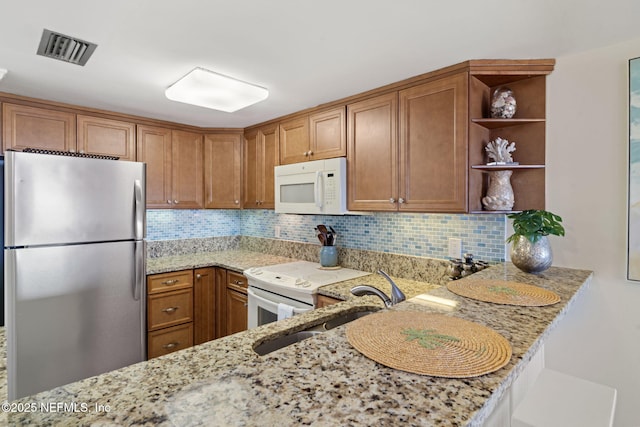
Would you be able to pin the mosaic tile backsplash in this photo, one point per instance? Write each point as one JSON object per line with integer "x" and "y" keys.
{"x": 424, "y": 235}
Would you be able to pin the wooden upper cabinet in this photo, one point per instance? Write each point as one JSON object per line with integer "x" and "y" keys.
{"x": 372, "y": 163}
{"x": 294, "y": 140}
{"x": 31, "y": 127}
{"x": 154, "y": 149}
{"x": 433, "y": 146}
{"x": 261, "y": 152}
{"x": 318, "y": 136}
{"x": 222, "y": 171}
{"x": 106, "y": 137}
{"x": 328, "y": 135}
{"x": 187, "y": 170}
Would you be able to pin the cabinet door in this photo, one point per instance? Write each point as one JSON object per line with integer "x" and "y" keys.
{"x": 433, "y": 146}
{"x": 269, "y": 159}
{"x": 154, "y": 149}
{"x": 236, "y": 311}
{"x": 372, "y": 161}
{"x": 31, "y": 127}
{"x": 328, "y": 134}
{"x": 294, "y": 141}
{"x": 187, "y": 172}
{"x": 204, "y": 305}
{"x": 222, "y": 171}
{"x": 250, "y": 171}
{"x": 106, "y": 137}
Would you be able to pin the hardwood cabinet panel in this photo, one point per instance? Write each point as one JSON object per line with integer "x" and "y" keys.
{"x": 294, "y": 140}
{"x": 433, "y": 146}
{"x": 221, "y": 302}
{"x": 187, "y": 170}
{"x": 169, "y": 309}
{"x": 172, "y": 281}
{"x": 236, "y": 312}
{"x": 31, "y": 127}
{"x": 168, "y": 340}
{"x": 204, "y": 303}
{"x": 372, "y": 164}
{"x": 328, "y": 135}
{"x": 323, "y": 301}
{"x": 106, "y": 137}
{"x": 154, "y": 149}
{"x": 261, "y": 151}
{"x": 270, "y": 153}
{"x": 223, "y": 171}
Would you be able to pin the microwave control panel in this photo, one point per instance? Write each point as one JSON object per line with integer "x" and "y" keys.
{"x": 330, "y": 189}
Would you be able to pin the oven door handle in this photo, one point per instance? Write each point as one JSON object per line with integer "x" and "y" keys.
{"x": 275, "y": 304}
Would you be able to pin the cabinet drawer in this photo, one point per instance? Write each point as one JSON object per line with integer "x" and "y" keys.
{"x": 169, "y": 281}
{"x": 169, "y": 340}
{"x": 169, "y": 309}
{"x": 237, "y": 282}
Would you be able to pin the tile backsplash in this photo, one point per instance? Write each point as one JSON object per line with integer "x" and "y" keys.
{"x": 424, "y": 235}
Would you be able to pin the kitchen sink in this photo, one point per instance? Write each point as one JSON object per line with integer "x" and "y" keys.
{"x": 345, "y": 318}
{"x": 283, "y": 341}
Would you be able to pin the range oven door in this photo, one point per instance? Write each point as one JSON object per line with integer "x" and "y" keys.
{"x": 263, "y": 307}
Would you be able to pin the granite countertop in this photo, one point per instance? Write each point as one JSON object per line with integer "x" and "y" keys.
{"x": 322, "y": 380}
{"x": 237, "y": 260}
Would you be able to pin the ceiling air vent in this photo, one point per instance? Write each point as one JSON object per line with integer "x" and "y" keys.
{"x": 65, "y": 48}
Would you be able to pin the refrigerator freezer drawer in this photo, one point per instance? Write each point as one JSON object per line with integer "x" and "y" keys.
{"x": 75, "y": 311}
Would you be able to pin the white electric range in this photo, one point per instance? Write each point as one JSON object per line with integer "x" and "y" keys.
{"x": 282, "y": 290}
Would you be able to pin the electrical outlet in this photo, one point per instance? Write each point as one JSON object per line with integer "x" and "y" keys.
{"x": 455, "y": 248}
{"x": 277, "y": 231}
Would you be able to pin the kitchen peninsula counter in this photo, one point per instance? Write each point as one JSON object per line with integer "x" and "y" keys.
{"x": 320, "y": 381}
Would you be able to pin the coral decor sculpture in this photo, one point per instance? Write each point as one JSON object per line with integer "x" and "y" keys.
{"x": 500, "y": 151}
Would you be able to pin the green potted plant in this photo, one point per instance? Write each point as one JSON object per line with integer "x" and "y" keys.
{"x": 530, "y": 249}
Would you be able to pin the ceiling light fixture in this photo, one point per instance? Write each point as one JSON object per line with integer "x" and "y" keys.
{"x": 212, "y": 90}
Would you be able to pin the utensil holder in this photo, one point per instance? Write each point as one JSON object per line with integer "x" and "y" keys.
{"x": 329, "y": 256}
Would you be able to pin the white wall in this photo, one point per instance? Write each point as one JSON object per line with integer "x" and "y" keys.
{"x": 587, "y": 156}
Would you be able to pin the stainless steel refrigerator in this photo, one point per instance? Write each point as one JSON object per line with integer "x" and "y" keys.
{"x": 74, "y": 268}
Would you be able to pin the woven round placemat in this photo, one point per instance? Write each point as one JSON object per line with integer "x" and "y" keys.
{"x": 429, "y": 344}
{"x": 504, "y": 292}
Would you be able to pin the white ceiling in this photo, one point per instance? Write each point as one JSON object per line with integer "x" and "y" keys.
{"x": 305, "y": 52}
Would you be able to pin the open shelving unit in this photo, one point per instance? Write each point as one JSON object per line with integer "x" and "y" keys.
{"x": 527, "y": 129}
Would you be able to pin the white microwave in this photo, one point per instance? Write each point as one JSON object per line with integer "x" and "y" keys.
{"x": 316, "y": 187}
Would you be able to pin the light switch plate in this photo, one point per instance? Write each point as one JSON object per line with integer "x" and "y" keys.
{"x": 277, "y": 232}
{"x": 455, "y": 248}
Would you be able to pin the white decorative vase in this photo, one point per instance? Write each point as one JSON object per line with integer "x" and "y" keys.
{"x": 499, "y": 194}
{"x": 531, "y": 257}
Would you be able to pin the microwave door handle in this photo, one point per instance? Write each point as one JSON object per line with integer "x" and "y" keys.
{"x": 319, "y": 193}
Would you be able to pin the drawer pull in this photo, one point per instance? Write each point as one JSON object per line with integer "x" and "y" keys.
{"x": 171, "y": 345}
{"x": 170, "y": 310}
{"x": 238, "y": 282}
{"x": 170, "y": 282}
{"x": 198, "y": 276}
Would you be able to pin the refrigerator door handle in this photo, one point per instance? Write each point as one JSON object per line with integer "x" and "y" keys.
{"x": 140, "y": 271}
{"x": 140, "y": 208}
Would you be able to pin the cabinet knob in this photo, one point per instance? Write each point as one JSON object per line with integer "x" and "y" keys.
{"x": 170, "y": 310}
{"x": 175, "y": 202}
{"x": 310, "y": 153}
{"x": 198, "y": 276}
{"x": 246, "y": 304}
{"x": 169, "y": 201}
{"x": 237, "y": 202}
{"x": 401, "y": 200}
{"x": 392, "y": 200}
{"x": 306, "y": 154}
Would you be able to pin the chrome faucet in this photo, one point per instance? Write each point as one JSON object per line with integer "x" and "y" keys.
{"x": 396, "y": 294}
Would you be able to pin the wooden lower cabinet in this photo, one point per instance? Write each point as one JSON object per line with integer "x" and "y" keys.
{"x": 205, "y": 304}
{"x": 168, "y": 340}
{"x": 169, "y": 312}
{"x": 323, "y": 301}
{"x": 236, "y": 303}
